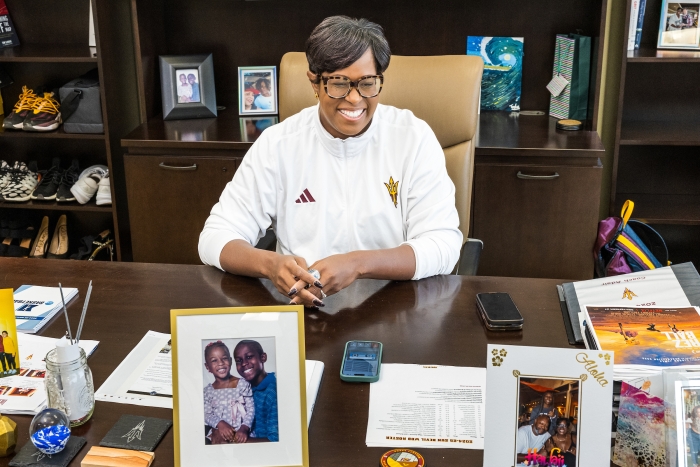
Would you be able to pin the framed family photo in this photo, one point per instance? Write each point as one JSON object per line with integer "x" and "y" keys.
{"x": 239, "y": 387}
{"x": 687, "y": 396}
{"x": 257, "y": 90}
{"x": 678, "y": 25}
{"x": 547, "y": 406}
{"x": 187, "y": 85}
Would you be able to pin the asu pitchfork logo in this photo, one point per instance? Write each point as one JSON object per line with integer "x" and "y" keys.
{"x": 628, "y": 294}
{"x": 393, "y": 187}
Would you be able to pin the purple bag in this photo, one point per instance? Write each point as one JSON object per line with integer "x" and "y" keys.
{"x": 623, "y": 246}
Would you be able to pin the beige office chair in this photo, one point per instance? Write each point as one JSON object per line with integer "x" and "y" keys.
{"x": 442, "y": 90}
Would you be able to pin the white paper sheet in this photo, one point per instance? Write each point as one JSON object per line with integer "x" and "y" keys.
{"x": 427, "y": 407}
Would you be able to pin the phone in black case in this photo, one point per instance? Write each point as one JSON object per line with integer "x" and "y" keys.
{"x": 498, "y": 312}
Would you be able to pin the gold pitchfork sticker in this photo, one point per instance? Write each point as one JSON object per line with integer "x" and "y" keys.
{"x": 393, "y": 187}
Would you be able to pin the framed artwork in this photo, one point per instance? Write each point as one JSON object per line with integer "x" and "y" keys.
{"x": 257, "y": 90}
{"x": 546, "y": 406}
{"x": 187, "y": 86}
{"x": 252, "y": 127}
{"x": 503, "y": 70}
{"x": 678, "y": 25}
{"x": 239, "y": 387}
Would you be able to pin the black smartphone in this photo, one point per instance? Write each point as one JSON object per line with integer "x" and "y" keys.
{"x": 498, "y": 311}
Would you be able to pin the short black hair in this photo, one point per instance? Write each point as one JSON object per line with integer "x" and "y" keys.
{"x": 339, "y": 41}
{"x": 568, "y": 422}
{"x": 254, "y": 345}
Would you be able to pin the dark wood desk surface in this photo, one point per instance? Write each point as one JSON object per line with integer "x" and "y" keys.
{"x": 432, "y": 321}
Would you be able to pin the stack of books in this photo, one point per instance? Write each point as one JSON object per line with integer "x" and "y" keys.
{"x": 35, "y": 305}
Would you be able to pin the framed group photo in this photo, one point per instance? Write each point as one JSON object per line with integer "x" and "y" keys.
{"x": 187, "y": 85}
{"x": 687, "y": 396}
{"x": 239, "y": 392}
{"x": 678, "y": 25}
{"x": 544, "y": 406}
{"x": 257, "y": 90}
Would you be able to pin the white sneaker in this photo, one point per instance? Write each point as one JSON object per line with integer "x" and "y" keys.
{"x": 5, "y": 174}
{"x": 86, "y": 186}
{"x": 104, "y": 195}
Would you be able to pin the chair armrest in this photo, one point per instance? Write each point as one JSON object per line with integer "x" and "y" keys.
{"x": 469, "y": 257}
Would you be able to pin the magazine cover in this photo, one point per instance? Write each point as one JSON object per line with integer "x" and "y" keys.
{"x": 661, "y": 337}
{"x": 503, "y": 70}
{"x": 9, "y": 355}
{"x": 8, "y": 35}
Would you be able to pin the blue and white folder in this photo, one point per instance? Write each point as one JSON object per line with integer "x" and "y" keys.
{"x": 36, "y": 305}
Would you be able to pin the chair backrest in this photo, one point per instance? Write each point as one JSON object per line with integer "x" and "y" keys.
{"x": 442, "y": 90}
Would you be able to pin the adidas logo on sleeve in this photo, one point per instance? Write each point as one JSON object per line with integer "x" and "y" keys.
{"x": 305, "y": 197}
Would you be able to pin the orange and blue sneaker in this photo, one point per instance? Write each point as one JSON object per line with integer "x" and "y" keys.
{"x": 22, "y": 108}
{"x": 45, "y": 114}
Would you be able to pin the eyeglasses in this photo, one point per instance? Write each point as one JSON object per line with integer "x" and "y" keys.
{"x": 339, "y": 87}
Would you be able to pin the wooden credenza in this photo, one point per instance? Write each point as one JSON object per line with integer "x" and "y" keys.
{"x": 535, "y": 204}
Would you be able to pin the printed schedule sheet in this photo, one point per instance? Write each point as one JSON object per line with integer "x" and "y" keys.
{"x": 427, "y": 406}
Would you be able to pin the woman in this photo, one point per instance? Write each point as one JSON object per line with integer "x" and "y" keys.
{"x": 264, "y": 99}
{"x": 249, "y": 97}
{"x": 563, "y": 440}
{"x": 353, "y": 188}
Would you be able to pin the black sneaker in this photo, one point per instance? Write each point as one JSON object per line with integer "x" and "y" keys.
{"x": 68, "y": 179}
{"x": 22, "y": 108}
{"x": 45, "y": 114}
{"x": 50, "y": 180}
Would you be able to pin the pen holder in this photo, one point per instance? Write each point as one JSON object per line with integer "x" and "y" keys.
{"x": 68, "y": 380}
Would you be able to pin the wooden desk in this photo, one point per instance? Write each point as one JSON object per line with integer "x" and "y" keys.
{"x": 432, "y": 321}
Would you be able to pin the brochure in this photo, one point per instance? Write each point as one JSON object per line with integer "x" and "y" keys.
{"x": 36, "y": 305}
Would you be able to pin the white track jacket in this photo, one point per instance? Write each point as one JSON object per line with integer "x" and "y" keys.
{"x": 325, "y": 196}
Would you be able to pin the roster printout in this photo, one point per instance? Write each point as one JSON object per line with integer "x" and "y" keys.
{"x": 427, "y": 406}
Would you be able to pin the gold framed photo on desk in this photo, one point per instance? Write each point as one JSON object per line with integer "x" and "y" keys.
{"x": 239, "y": 394}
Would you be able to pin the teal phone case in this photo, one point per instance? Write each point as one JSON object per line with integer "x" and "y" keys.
{"x": 362, "y": 379}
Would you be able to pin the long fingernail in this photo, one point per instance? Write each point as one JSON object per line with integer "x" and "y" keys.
{"x": 318, "y": 284}
{"x": 292, "y": 292}
{"x": 318, "y": 302}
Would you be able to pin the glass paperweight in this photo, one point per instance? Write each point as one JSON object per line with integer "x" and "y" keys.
{"x": 49, "y": 431}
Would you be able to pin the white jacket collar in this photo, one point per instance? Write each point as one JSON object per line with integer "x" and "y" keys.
{"x": 350, "y": 146}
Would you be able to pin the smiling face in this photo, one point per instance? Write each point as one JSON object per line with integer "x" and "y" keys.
{"x": 264, "y": 90}
{"x": 250, "y": 363}
{"x": 249, "y": 97}
{"x": 541, "y": 425}
{"x": 351, "y": 115}
{"x": 548, "y": 398}
{"x": 183, "y": 79}
{"x": 562, "y": 428}
{"x": 218, "y": 361}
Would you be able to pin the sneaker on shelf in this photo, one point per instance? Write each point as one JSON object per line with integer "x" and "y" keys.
{"x": 5, "y": 174}
{"x": 50, "y": 180}
{"x": 68, "y": 179}
{"x": 86, "y": 186}
{"x": 45, "y": 114}
{"x": 22, "y": 108}
{"x": 104, "y": 195}
{"x": 22, "y": 183}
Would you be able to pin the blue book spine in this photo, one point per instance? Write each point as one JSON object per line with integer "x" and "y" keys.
{"x": 640, "y": 23}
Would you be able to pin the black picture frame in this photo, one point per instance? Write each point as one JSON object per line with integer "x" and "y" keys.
{"x": 175, "y": 101}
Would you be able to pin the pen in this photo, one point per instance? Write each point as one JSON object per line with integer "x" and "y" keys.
{"x": 82, "y": 316}
{"x": 65, "y": 312}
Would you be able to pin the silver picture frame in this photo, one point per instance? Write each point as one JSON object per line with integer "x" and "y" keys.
{"x": 193, "y": 97}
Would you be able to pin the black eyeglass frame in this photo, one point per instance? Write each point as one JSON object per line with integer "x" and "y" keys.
{"x": 353, "y": 84}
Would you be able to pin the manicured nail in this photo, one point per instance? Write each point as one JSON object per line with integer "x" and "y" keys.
{"x": 318, "y": 284}
{"x": 292, "y": 292}
{"x": 318, "y": 302}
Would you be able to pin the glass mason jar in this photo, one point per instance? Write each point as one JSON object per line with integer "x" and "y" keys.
{"x": 69, "y": 387}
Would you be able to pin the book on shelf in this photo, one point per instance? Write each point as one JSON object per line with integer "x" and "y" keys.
{"x": 645, "y": 339}
{"x": 640, "y": 23}
{"x": 36, "y": 305}
{"x": 8, "y": 34}
{"x": 634, "y": 17}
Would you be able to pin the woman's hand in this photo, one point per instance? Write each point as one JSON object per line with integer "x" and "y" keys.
{"x": 225, "y": 430}
{"x": 337, "y": 272}
{"x": 291, "y": 277}
{"x": 241, "y": 434}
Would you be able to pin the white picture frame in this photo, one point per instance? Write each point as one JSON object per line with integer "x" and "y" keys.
{"x": 543, "y": 369}
{"x": 683, "y": 33}
{"x": 260, "y": 84}
{"x": 226, "y": 334}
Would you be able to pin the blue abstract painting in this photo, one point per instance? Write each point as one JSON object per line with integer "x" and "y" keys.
{"x": 503, "y": 70}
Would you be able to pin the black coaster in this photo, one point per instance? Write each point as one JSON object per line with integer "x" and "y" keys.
{"x": 29, "y": 455}
{"x": 137, "y": 433}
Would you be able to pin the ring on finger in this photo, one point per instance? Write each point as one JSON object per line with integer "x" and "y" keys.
{"x": 315, "y": 273}
{"x": 323, "y": 294}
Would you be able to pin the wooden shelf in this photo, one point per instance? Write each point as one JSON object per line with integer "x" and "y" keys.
{"x": 58, "y": 133}
{"x": 662, "y": 209}
{"x": 662, "y": 133}
{"x": 654, "y": 55}
{"x": 38, "y": 53}
{"x": 55, "y": 206}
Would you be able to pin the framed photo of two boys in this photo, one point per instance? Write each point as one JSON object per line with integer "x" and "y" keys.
{"x": 239, "y": 387}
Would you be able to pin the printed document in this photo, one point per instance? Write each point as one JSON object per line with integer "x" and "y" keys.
{"x": 423, "y": 406}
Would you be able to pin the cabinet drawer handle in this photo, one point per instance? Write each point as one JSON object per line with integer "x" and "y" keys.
{"x": 163, "y": 165}
{"x": 537, "y": 177}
